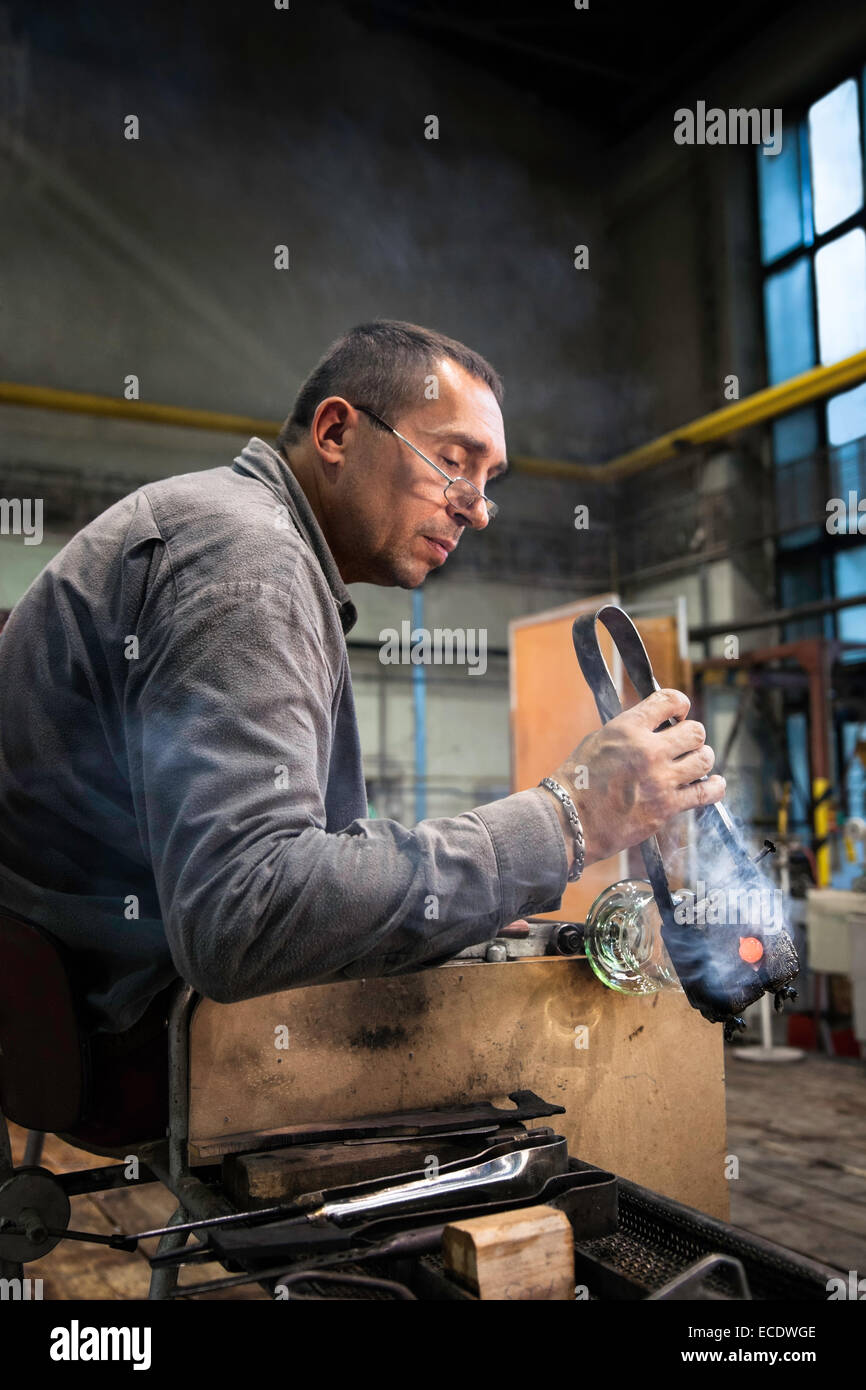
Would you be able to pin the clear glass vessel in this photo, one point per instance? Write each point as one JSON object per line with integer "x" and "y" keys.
{"x": 624, "y": 942}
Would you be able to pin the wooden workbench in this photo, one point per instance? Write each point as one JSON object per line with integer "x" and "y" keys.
{"x": 642, "y": 1078}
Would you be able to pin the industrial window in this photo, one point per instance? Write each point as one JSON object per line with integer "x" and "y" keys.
{"x": 813, "y": 249}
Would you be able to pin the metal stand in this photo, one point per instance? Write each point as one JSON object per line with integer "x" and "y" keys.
{"x": 766, "y": 1051}
{"x": 163, "y": 1278}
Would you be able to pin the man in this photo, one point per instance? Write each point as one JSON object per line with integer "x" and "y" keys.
{"x": 181, "y": 789}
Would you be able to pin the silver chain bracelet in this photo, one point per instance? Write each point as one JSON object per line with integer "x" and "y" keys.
{"x": 574, "y": 821}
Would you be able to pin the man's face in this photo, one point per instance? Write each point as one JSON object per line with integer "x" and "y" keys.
{"x": 389, "y": 521}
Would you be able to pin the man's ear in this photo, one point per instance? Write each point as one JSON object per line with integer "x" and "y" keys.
{"x": 332, "y": 427}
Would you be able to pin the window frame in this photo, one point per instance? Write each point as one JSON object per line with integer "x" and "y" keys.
{"x": 809, "y": 246}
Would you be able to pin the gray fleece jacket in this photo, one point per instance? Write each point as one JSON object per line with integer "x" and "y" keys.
{"x": 181, "y": 786}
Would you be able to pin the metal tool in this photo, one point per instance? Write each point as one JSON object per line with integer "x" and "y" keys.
{"x": 517, "y": 1167}
{"x": 509, "y": 1170}
{"x": 406, "y": 1124}
{"x": 717, "y": 979}
{"x": 587, "y": 1196}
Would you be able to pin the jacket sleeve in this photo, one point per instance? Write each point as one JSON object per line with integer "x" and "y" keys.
{"x": 228, "y": 711}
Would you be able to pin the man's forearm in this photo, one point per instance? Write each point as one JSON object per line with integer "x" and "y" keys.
{"x": 376, "y": 898}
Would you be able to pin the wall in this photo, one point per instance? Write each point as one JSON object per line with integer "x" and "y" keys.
{"x": 156, "y": 257}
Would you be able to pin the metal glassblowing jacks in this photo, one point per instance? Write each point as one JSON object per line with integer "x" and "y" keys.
{"x": 719, "y": 977}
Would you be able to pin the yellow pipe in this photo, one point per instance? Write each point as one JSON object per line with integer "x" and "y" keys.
{"x": 782, "y": 815}
{"x": 79, "y": 403}
{"x": 821, "y": 830}
{"x": 752, "y": 410}
{"x": 559, "y": 468}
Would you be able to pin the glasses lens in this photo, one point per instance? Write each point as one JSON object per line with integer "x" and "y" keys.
{"x": 464, "y": 497}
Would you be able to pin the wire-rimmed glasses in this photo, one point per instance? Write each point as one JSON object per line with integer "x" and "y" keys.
{"x": 462, "y": 495}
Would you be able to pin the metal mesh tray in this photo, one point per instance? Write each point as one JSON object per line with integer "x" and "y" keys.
{"x": 659, "y": 1240}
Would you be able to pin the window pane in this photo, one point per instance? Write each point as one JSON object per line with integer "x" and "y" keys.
{"x": 856, "y": 779}
{"x": 795, "y": 440}
{"x": 780, "y": 200}
{"x": 840, "y": 276}
{"x": 850, "y": 576}
{"x": 846, "y": 426}
{"x": 837, "y": 170}
{"x": 795, "y": 436}
{"x": 788, "y": 311}
{"x": 806, "y": 185}
{"x": 803, "y": 577}
{"x": 847, "y": 471}
{"x": 846, "y": 416}
{"x": 795, "y": 540}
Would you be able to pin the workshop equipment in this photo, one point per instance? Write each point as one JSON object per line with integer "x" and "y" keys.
{"x": 836, "y": 929}
{"x": 628, "y": 1241}
{"x": 631, "y": 1072}
{"x": 722, "y": 970}
{"x": 512, "y": 1169}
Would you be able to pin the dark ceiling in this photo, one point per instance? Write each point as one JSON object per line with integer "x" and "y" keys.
{"x": 612, "y": 63}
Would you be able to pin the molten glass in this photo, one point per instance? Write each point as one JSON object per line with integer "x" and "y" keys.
{"x": 751, "y": 949}
{"x": 624, "y": 942}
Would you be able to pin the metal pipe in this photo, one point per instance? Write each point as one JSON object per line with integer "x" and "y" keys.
{"x": 813, "y": 609}
{"x": 85, "y": 403}
{"x": 419, "y": 704}
{"x": 164, "y": 1280}
{"x": 751, "y": 410}
{"x": 183, "y": 1003}
{"x": 820, "y": 763}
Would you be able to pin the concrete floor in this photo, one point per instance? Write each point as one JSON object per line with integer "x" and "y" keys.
{"x": 797, "y": 1130}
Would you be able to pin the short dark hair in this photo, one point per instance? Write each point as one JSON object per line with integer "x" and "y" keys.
{"x": 381, "y": 364}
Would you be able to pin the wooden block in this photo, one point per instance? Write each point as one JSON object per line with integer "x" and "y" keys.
{"x": 282, "y": 1174}
{"x": 525, "y": 1254}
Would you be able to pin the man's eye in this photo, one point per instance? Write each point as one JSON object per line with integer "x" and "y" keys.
{"x": 450, "y": 462}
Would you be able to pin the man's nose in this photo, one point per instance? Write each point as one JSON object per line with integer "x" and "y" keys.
{"x": 474, "y": 513}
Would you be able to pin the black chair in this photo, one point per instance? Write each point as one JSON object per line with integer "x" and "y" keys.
{"x": 101, "y": 1092}
{"x": 105, "y": 1093}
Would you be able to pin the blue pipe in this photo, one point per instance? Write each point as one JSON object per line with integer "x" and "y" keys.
{"x": 419, "y": 702}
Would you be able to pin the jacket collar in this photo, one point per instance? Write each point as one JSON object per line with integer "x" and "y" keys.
{"x": 262, "y": 462}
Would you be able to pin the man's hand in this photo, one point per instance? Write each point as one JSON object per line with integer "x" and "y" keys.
{"x": 631, "y": 777}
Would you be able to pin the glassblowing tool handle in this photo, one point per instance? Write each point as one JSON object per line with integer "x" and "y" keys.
{"x": 720, "y": 1002}
{"x": 632, "y": 651}
{"x": 633, "y": 654}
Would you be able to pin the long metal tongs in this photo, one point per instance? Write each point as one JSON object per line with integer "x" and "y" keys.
{"x": 715, "y": 979}
{"x": 520, "y": 1165}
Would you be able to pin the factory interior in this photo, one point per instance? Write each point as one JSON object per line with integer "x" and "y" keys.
{"x": 652, "y": 1090}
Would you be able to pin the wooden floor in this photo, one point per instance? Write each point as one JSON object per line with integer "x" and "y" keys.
{"x": 73, "y": 1270}
{"x": 798, "y": 1132}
